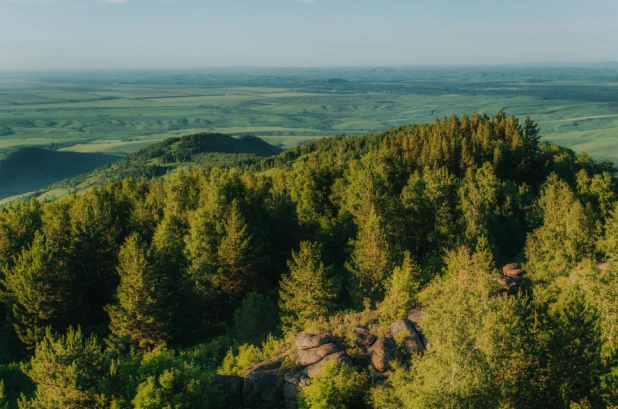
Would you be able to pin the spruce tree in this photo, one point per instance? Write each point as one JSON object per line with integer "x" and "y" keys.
{"x": 402, "y": 290}
{"x": 140, "y": 314}
{"x": 68, "y": 372}
{"x": 371, "y": 259}
{"x": 235, "y": 255}
{"x": 566, "y": 236}
{"x": 170, "y": 265}
{"x": 39, "y": 285}
{"x": 306, "y": 293}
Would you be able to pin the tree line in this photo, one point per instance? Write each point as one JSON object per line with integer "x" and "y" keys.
{"x": 129, "y": 295}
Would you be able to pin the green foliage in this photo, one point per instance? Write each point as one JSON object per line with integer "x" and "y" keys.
{"x": 235, "y": 254}
{"x": 476, "y": 342}
{"x": 191, "y": 261}
{"x": 401, "y": 294}
{"x": 566, "y": 236}
{"x": 575, "y": 366}
{"x": 141, "y": 315}
{"x": 3, "y": 403}
{"x": 169, "y": 382}
{"x": 307, "y": 292}
{"x": 371, "y": 259}
{"x": 335, "y": 387}
{"x": 248, "y": 355}
{"x": 68, "y": 372}
{"x": 39, "y": 284}
{"x": 15, "y": 383}
{"x": 256, "y": 317}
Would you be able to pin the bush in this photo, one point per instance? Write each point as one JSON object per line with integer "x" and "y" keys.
{"x": 255, "y": 319}
{"x": 335, "y": 387}
{"x": 169, "y": 382}
{"x": 249, "y": 355}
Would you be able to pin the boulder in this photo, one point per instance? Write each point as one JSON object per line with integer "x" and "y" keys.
{"x": 262, "y": 389}
{"x": 231, "y": 388}
{"x": 310, "y": 341}
{"x": 511, "y": 266}
{"x": 306, "y": 357}
{"x": 314, "y": 369}
{"x": 383, "y": 352}
{"x": 404, "y": 329}
{"x": 415, "y": 316}
{"x": 515, "y": 272}
{"x": 293, "y": 382}
{"x": 512, "y": 285}
{"x": 364, "y": 338}
{"x": 603, "y": 266}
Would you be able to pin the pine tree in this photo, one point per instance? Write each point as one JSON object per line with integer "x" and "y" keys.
{"x": 40, "y": 286}
{"x": 478, "y": 196}
{"x": 403, "y": 288}
{"x": 235, "y": 255}
{"x": 567, "y": 235}
{"x": 307, "y": 293}
{"x": 170, "y": 266}
{"x": 371, "y": 259}
{"x": 140, "y": 314}
{"x": 68, "y": 372}
{"x": 256, "y": 318}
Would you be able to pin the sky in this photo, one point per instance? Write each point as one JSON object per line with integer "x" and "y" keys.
{"x": 135, "y": 34}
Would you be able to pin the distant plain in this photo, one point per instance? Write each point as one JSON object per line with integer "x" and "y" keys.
{"x": 121, "y": 112}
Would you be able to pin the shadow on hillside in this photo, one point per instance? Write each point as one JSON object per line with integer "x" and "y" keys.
{"x": 30, "y": 169}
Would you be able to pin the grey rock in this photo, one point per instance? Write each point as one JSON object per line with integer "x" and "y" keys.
{"x": 383, "y": 352}
{"x": 306, "y": 357}
{"x": 412, "y": 341}
{"x": 416, "y": 316}
{"x": 341, "y": 357}
{"x": 511, "y": 266}
{"x": 512, "y": 285}
{"x": 262, "y": 389}
{"x": 231, "y": 388}
{"x": 364, "y": 338}
{"x": 310, "y": 341}
{"x": 516, "y": 272}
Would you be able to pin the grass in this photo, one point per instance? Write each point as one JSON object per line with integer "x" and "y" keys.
{"x": 121, "y": 113}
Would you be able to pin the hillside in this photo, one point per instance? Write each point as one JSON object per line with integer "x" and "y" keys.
{"x": 461, "y": 263}
{"x": 205, "y": 150}
{"x": 30, "y": 169}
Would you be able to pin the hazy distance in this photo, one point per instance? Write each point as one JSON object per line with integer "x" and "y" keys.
{"x": 75, "y": 34}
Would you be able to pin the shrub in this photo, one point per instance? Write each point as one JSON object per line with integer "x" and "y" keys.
{"x": 335, "y": 387}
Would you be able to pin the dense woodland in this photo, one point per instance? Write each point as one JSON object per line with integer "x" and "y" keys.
{"x": 136, "y": 293}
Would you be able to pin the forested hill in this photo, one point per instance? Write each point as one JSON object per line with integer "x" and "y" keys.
{"x": 169, "y": 292}
{"x": 206, "y": 150}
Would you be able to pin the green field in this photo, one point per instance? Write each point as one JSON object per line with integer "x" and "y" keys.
{"x": 118, "y": 113}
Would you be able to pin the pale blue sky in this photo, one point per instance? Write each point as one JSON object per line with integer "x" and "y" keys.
{"x": 56, "y": 34}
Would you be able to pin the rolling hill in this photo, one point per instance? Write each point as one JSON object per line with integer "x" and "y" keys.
{"x": 52, "y": 174}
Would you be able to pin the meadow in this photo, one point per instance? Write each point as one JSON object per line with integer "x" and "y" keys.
{"x": 121, "y": 112}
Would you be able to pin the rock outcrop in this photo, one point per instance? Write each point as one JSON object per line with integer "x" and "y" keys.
{"x": 404, "y": 331}
{"x": 268, "y": 386}
{"x": 231, "y": 388}
{"x": 383, "y": 352}
{"x": 310, "y": 341}
{"x": 306, "y": 357}
{"x": 261, "y": 386}
{"x": 513, "y": 280}
{"x": 294, "y": 381}
{"x": 315, "y": 369}
{"x": 364, "y": 338}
